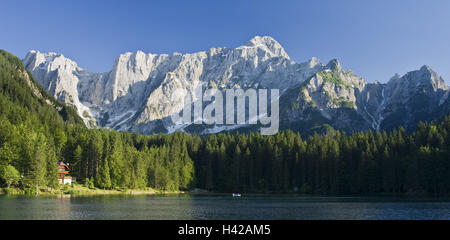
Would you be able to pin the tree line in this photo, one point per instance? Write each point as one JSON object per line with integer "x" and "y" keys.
{"x": 359, "y": 163}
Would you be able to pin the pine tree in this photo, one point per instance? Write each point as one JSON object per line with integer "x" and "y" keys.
{"x": 10, "y": 175}
{"x": 103, "y": 178}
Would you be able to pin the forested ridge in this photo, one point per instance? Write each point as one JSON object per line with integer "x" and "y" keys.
{"x": 36, "y": 132}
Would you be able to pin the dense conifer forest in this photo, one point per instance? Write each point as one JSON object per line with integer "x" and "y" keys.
{"x": 36, "y": 132}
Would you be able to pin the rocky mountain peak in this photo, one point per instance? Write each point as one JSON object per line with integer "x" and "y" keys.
{"x": 314, "y": 62}
{"x": 395, "y": 77}
{"x": 334, "y": 65}
{"x": 425, "y": 76}
{"x": 52, "y": 60}
{"x": 268, "y": 44}
{"x": 426, "y": 68}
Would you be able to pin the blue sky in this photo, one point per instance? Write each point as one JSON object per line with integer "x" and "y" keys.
{"x": 376, "y": 39}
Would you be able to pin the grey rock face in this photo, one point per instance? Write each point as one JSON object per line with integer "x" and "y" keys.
{"x": 142, "y": 91}
{"x": 414, "y": 97}
{"x": 344, "y": 101}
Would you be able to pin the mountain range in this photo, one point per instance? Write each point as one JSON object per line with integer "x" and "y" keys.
{"x": 142, "y": 91}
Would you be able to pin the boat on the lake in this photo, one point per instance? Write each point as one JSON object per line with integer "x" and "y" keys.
{"x": 236, "y": 194}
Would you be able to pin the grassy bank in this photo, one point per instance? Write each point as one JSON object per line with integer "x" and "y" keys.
{"x": 80, "y": 190}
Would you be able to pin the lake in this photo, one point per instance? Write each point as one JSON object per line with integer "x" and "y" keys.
{"x": 204, "y": 207}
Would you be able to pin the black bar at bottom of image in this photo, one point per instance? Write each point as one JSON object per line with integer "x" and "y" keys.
{"x": 229, "y": 229}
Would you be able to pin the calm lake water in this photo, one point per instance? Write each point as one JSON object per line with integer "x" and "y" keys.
{"x": 221, "y": 207}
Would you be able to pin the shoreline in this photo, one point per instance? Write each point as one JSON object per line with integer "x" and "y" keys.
{"x": 79, "y": 190}
{"x": 83, "y": 191}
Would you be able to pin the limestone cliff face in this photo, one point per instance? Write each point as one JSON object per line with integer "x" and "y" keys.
{"x": 414, "y": 97}
{"x": 341, "y": 99}
{"x": 142, "y": 91}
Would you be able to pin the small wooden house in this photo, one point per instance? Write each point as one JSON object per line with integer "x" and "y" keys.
{"x": 63, "y": 171}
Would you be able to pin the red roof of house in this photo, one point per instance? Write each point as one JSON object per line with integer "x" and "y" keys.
{"x": 62, "y": 164}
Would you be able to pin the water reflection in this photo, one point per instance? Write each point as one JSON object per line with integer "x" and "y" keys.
{"x": 219, "y": 207}
{"x": 132, "y": 207}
